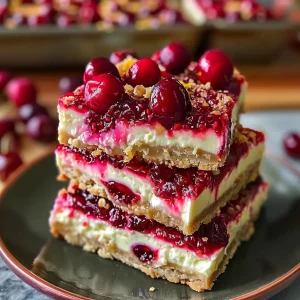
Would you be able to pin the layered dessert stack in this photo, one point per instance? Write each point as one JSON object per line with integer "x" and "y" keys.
{"x": 162, "y": 176}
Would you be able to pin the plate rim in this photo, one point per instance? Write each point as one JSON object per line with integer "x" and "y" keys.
{"x": 52, "y": 290}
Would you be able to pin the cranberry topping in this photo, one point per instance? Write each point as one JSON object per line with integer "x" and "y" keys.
{"x": 9, "y": 162}
{"x": 99, "y": 66}
{"x": 5, "y": 77}
{"x": 144, "y": 253}
{"x": 69, "y": 84}
{"x": 28, "y": 111}
{"x": 204, "y": 242}
{"x": 21, "y": 91}
{"x": 175, "y": 58}
{"x": 215, "y": 67}
{"x": 103, "y": 91}
{"x": 169, "y": 101}
{"x": 291, "y": 144}
{"x": 120, "y": 55}
{"x": 143, "y": 72}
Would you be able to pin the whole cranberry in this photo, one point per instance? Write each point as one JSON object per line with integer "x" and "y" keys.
{"x": 28, "y": 111}
{"x": 215, "y": 67}
{"x": 88, "y": 13}
{"x": 99, "y": 66}
{"x": 9, "y": 162}
{"x": 143, "y": 72}
{"x": 291, "y": 143}
{"x": 5, "y": 77}
{"x": 175, "y": 58}
{"x": 65, "y": 20}
{"x": 169, "y": 101}
{"x": 21, "y": 91}
{"x": 120, "y": 55}
{"x": 42, "y": 128}
{"x": 69, "y": 84}
{"x": 172, "y": 16}
{"x": 102, "y": 91}
{"x": 125, "y": 19}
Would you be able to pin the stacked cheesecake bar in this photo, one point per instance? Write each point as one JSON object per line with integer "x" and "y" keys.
{"x": 162, "y": 176}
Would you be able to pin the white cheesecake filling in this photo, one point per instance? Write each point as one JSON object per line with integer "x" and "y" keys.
{"x": 93, "y": 231}
{"x": 190, "y": 208}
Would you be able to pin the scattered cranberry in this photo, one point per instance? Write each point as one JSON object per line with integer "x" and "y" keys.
{"x": 88, "y": 13}
{"x": 28, "y": 111}
{"x": 5, "y": 77}
{"x": 9, "y": 162}
{"x": 65, "y": 20}
{"x": 120, "y": 55}
{"x": 175, "y": 58}
{"x": 169, "y": 101}
{"x": 215, "y": 67}
{"x": 291, "y": 144}
{"x": 102, "y": 91}
{"x": 143, "y": 72}
{"x": 99, "y": 66}
{"x": 42, "y": 128}
{"x": 21, "y": 91}
{"x": 144, "y": 253}
{"x": 126, "y": 19}
{"x": 69, "y": 84}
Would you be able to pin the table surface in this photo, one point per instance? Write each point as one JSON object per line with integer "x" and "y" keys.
{"x": 269, "y": 88}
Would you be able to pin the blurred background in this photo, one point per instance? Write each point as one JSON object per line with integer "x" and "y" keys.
{"x": 45, "y": 44}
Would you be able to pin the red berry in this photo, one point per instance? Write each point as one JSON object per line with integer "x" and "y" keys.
{"x": 28, "y": 111}
{"x": 88, "y": 13}
{"x": 69, "y": 84}
{"x": 6, "y": 126}
{"x": 42, "y": 128}
{"x": 215, "y": 67}
{"x": 175, "y": 58}
{"x": 65, "y": 20}
{"x": 21, "y": 91}
{"x": 99, "y": 66}
{"x": 291, "y": 144}
{"x": 102, "y": 91}
{"x": 156, "y": 56}
{"x": 120, "y": 55}
{"x": 9, "y": 162}
{"x": 143, "y": 72}
{"x": 169, "y": 101}
{"x": 5, "y": 77}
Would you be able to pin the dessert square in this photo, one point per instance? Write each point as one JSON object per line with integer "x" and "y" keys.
{"x": 196, "y": 260}
{"x": 181, "y": 198}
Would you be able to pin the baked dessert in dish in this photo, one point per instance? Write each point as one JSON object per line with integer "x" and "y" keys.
{"x": 173, "y": 119}
{"x": 181, "y": 198}
{"x": 159, "y": 251}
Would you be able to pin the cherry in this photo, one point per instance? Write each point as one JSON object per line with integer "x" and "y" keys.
{"x": 9, "y": 162}
{"x": 102, "y": 91}
{"x": 69, "y": 84}
{"x": 65, "y": 20}
{"x": 120, "y": 55}
{"x": 88, "y": 13}
{"x": 291, "y": 144}
{"x": 99, "y": 66}
{"x": 175, "y": 58}
{"x": 143, "y": 72}
{"x": 42, "y": 128}
{"x": 28, "y": 111}
{"x": 5, "y": 77}
{"x": 21, "y": 91}
{"x": 169, "y": 101}
{"x": 215, "y": 67}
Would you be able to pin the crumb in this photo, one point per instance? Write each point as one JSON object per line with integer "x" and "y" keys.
{"x": 152, "y": 289}
{"x": 102, "y": 202}
{"x": 205, "y": 239}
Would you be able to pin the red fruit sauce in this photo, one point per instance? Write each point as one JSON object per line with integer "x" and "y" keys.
{"x": 144, "y": 253}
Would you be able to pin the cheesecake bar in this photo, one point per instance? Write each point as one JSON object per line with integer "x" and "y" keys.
{"x": 181, "y": 198}
{"x": 178, "y": 121}
{"x": 197, "y": 260}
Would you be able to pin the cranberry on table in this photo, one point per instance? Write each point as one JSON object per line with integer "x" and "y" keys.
{"x": 20, "y": 91}
{"x": 169, "y": 101}
{"x": 215, "y": 67}
{"x": 102, "y": 91}
{"x": 88, "y": 13}
{"x": 99, "y": 66}
{"x": 42, "y": 128}
{"x": 175, "y": 58}
{"x": 291, "y": 144}
{"x": 9, "y": 162}
{"x": 143, "y": 72}
{"x": 5, "y": 77}
{"x": 120, "y": 55}
{"x": 69, "y": 84}
{"x": 28, "y": 111}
